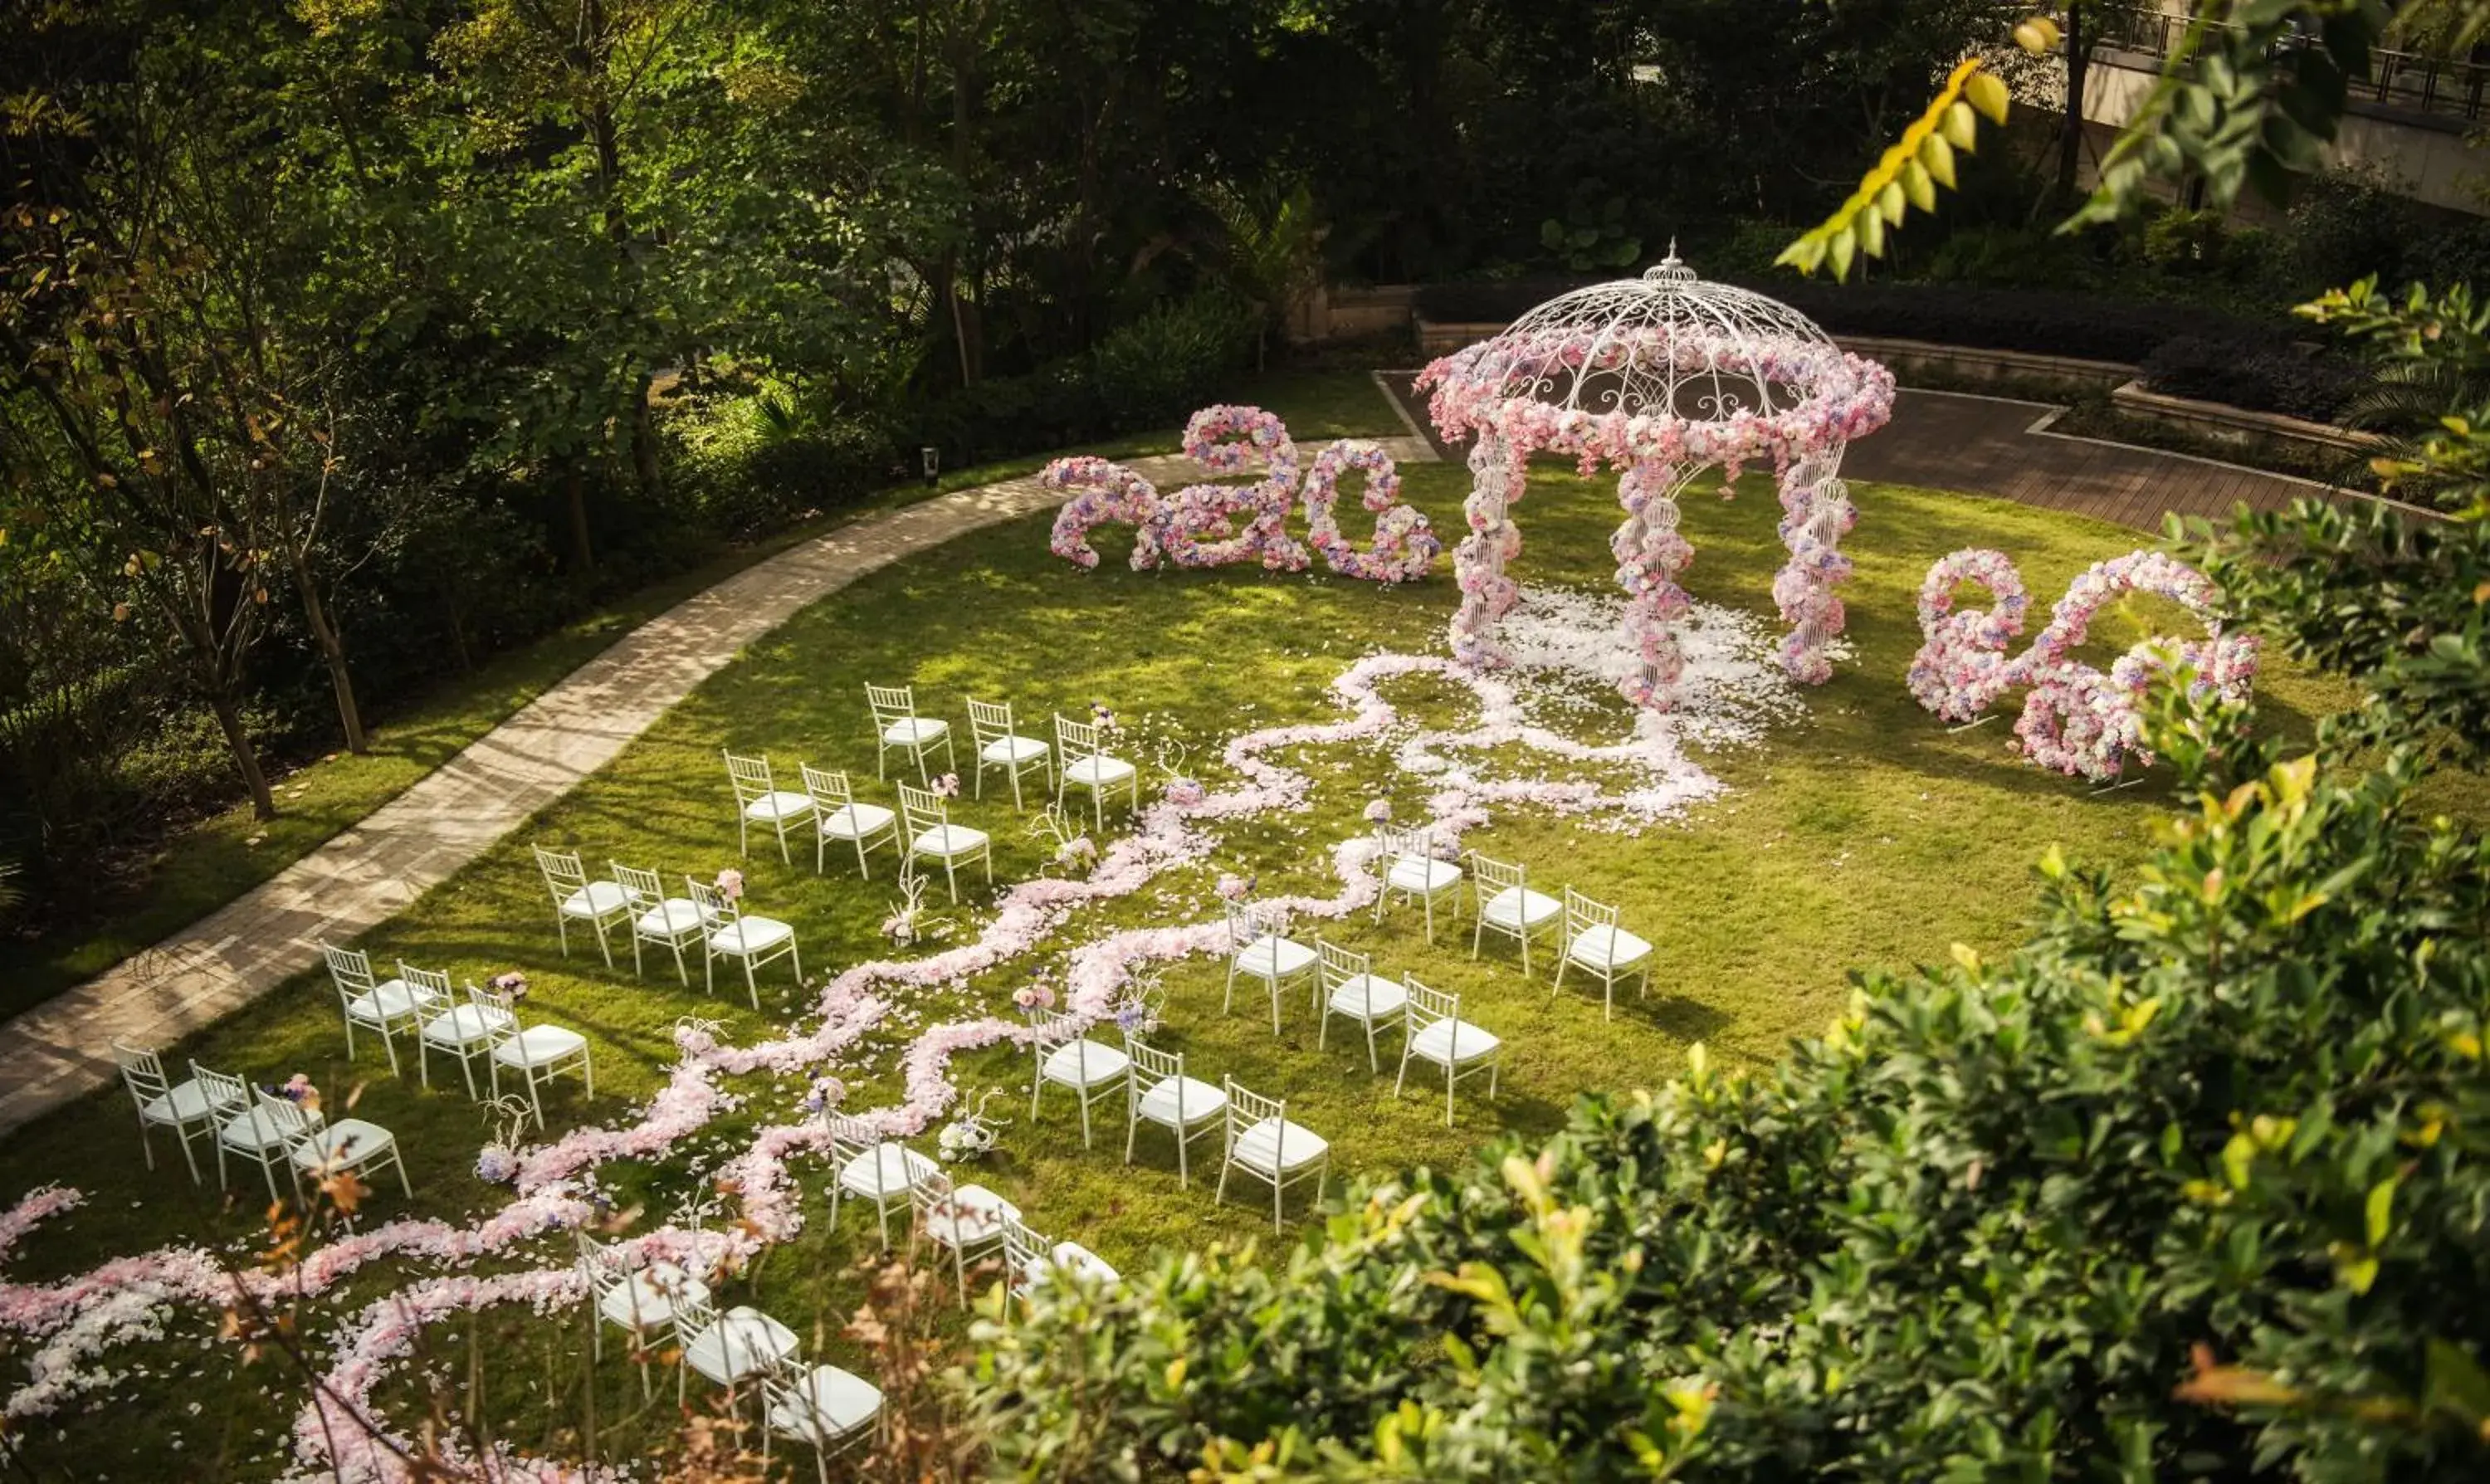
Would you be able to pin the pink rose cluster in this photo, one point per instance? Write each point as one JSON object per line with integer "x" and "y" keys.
{"x": 1405, "y": 546}
{"x": 2075, "y": 720}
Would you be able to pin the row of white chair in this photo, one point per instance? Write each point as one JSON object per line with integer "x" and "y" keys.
{"x": 702, "y": 915}
{"x": 921, "y": 830}
{"x": 1503, "y": 903}
{"x": 250, "y": 1124}
{"x": 422, "y": 1001}
{"x": 827, "y": 1408}
{"x": 1079, "y": 746}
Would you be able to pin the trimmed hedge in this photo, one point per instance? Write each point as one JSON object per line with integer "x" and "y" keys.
{"x": 2256, "y": 374}
{"x": 2037, "y": 321}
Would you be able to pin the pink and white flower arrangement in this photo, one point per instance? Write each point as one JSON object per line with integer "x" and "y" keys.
{"x": 1379, "y": 811}
{"x": 2074, "y": 719}
{"x": 1036, "y": 995}
{"x": 825, "y": 1093}
{"x": 1234, "y": 887}
{"x": 947, "y": 785}
{"x": 299, "y": 1090}
{"x": 510, "y": 982}
{"x": 729, "y": 884}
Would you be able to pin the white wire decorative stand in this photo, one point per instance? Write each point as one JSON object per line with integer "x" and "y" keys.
{"x": 1661, "y": 378}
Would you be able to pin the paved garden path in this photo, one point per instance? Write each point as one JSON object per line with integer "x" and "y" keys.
{"x": 63, "y": 1047}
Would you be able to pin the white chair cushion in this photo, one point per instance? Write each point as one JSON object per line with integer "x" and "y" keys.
{"x": 1607, "y": 948}
{"x": 596, "y": 899}
{"x": 646, "y": 1300}
{"x": 1200, "y": 1101}
{"x": 540, "y": 1046}
{"x": 343, "y": 1144}
{"x": 390, "y": 999}
{"x": 1271, "y": 957}
{"x": 970, "y": 1217}
{"x": 1370, "y": 997}
{"x": 826, "y": 1404}
{"x": 1424, "y": 876}
{"x": 1085, "y": 1064}
{"x": 463, "y": 1027}
{"x": 885, "y": 1171}
{"x": 781, "y": 804}
{"x": 1261, "y": 1147}
{"x": 856, "y": 821}
{"x": 1518, "y": 907}
{"x": 1012, "y": 749}
{"x": 184, "y": 1102}
{"x": 743, "y": 1342}
{"x": 913, "y": 732}
{"x": 676, "y": 916}
{"x": 255, "y": 1130}
{"x": 1454, "y": 1041}
{"x": 1072, "y": 1257}
{"x": 747, "y": 936}
{"x": 1098, "y": 771}
{"x": 948, "y": 840}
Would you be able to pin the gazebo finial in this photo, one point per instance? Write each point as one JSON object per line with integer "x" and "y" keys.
{"x": 1672, "y": 270}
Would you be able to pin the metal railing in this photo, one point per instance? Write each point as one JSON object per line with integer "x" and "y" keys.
{"x": 2398, "y": 81}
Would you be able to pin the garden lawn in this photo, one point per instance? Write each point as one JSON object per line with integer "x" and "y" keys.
{"x": 1863, "y": 834}
{"x": 209, "y": 864}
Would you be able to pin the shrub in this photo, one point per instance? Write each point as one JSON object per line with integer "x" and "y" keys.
{"x": 2254, "y": 373}
{"x": 2348, "y": 223}
{"x": 2188, "y": 243}
{"x": 1160, "y": 367}
{"x": 1978, "y": 1231}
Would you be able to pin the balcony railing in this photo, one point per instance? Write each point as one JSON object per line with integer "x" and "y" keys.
{"x": 2398, "y": 81}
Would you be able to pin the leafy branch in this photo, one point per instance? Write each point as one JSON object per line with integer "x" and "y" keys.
{"x": 1911, "y": 170}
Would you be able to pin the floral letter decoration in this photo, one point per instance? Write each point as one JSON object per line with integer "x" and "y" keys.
{"x": 1217, "y": 525}
{"x": 2075, "y": 720}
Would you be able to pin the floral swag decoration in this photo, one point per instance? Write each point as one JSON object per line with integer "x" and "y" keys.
{"x": 2075, "y": 720}
{"x": 1218, "y": 525}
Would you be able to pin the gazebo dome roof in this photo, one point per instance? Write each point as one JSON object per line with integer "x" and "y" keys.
{"x": 1668, "y": 344}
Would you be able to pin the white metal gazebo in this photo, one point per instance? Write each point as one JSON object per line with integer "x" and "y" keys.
{"x": 1661, "y": 377}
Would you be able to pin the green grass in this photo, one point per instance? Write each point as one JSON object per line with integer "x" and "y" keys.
{"x": 211, "y": 863}
{"x": 1864, "y": 834}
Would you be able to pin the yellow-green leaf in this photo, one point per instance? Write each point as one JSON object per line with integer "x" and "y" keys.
{"x": 1936, "y": 155}
{"x": 1967, "y": 956}
{"x": 2037, "y": 34}
{"x": 1891, "y": 202}
{"x": 1917, "y": 184}
{"x": 1983, "y": 92}
{"x": 1961, "y": 127}
{"x": 1842, "y": 248}
{"x": 2379, "y": 1210}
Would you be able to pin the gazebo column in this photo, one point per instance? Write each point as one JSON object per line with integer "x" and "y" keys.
{"x": 1650, "y": 553}
{"x": 1818, "y": 513}
{"x": 1487, "y": 594}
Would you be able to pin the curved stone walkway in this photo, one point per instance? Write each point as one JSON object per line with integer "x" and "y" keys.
{"x": 63, "y": 1047}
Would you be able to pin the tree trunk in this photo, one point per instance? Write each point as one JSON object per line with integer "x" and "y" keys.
{"x": 228, "y": 710}
{"x": 574, "y": 491}
{"x": 332, "y": 653}
{"x": 643, "y": 443}
{"x": 2070, "y": 127}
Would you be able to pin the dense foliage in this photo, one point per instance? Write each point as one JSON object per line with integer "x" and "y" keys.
{"x": 2195, "y": 1183}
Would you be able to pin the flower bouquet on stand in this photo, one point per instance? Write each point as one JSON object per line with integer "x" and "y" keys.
{"x": 909, "y": 921}
{"x": 511, "y": 984}
{"x": 972, "y": 1136}
{"x": 1074, "y": 850}
{"x": 298, "y": 1090}
{"x": 497, "y": 1163}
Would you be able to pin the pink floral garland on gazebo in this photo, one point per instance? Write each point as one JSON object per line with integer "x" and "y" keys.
{"x": 1496, "y": 393}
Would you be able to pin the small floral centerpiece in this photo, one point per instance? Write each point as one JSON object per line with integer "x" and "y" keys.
{"x": 1379, "y": 812}
{"x": 511, "y": 984}
{"x": 1035, "y": 995}
{"x": 1074, "y": 850}
{"x": 825, "y": 1093}
{"x": 909, "y": 921}
{"x": 1236, "y": 888}
{"x": 299, "y": 1090}
{"x": 947, "y": 785}
{"x": 497, "y": 1163}
{"x": 970, "y": 1136}
{"x": 1136, "y": 1012}
{"x": 1103, "y": 719}
{"x": 729, "y": 884}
